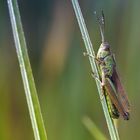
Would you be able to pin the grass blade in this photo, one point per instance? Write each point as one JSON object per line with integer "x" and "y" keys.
{"x": 89, "y": 48}
{"x": 26, "y": 72}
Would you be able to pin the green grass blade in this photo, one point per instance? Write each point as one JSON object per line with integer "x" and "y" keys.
{"x": 93, "y": 129}
{"x": 26, "y": 72}
{"x": 89, "y": 48}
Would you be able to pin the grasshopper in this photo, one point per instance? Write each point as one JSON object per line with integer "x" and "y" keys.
{"x": 114, "y": 92}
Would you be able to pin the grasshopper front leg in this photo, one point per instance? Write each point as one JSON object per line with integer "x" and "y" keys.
{"x": 101, "y": 83}
{"x": 92, "y": 56}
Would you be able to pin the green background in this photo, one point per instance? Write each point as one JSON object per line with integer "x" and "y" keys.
{"x": 62, "y": 74}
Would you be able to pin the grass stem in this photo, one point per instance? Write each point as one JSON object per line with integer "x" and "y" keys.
{"x": 93, "y": 129}
{"x": 89, "y": 48}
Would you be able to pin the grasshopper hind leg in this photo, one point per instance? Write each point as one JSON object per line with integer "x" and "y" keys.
{"x": 114, "y": 113}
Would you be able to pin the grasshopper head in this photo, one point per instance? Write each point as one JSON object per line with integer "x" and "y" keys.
{"x": 105, "y": 46}
{"x": 103, "y": 51}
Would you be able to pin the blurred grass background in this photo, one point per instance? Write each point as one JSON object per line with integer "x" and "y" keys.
{"x": 65, "y": 87}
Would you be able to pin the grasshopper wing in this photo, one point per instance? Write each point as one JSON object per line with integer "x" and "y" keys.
{"x": 120, "y": 90}
{"x": 116, "y": 98}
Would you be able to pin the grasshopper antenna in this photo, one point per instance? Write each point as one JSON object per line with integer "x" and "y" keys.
{"x": 101, "y": 22}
